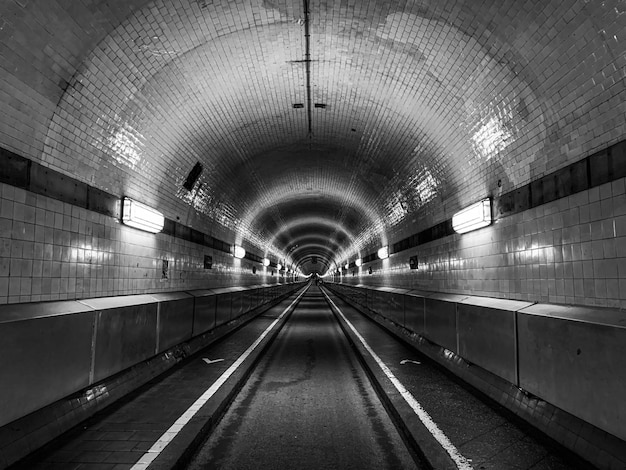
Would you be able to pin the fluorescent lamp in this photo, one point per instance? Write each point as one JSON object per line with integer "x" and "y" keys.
{"x": 358, "y": 262}
{"x": 239, "y": 252}
{"x": 473, "y": 217}
{"x": 138, "y": 215}
{"x": 278, "y": 267}
{"x": 266, "y": 262}
{"x": 384, "y": 252}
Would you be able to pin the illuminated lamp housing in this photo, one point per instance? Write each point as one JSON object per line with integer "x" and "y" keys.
{"x": 239, "y": 252}
{"x": 279, "y": 267}
{"x": 384, "y": 252}
{"x": 358, "y": 262}
{"x": 266, "y": 262}
{"x": 473, "y": 217}
{"x": 347, "y": 265}
{"x": 140, "y": 216}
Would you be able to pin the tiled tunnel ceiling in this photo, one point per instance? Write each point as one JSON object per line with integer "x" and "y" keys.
{"x": 428, "y": 105}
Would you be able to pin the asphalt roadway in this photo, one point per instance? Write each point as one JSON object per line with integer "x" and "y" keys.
{"x": 307, "y": 405}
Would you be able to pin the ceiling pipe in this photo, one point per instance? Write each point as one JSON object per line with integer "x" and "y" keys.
{"x": 307, "y": 61}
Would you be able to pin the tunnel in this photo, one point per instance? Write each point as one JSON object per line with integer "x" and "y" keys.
{"x": 445, "y": 175}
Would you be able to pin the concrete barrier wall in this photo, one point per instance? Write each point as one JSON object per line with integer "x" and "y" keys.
{"x": 125, "y": 332}
{"x": 44, "y": 355}
{"x": 414, "y": 312}
{"x": 50, "y": 350}
{"x": 204, "y": 311}
{"x": 175, "y": 319}
{"x": 237, "y": 305}
{"x": 572, "y": 357}
{"x": 440, "y": 315}
{"x": 392, "y": 302}
{"x": 487, "y": 336}
{"x": 224, "y": 304}
{"x": 576, "y": 357}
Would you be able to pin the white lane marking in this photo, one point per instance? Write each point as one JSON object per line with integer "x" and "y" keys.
{"x": 405, "y": 361}
{"x": 461, "y": 462}
{"x": 173, "y": 431}
{"x": 209, "y": 361}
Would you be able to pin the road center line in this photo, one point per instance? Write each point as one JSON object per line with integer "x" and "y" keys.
{"x": 461, "y": 462}
{"x": 169, "y": 435}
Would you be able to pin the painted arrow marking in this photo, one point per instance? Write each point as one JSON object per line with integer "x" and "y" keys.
{"x": 404, "y": 361}
{"x": 209, "y": 361}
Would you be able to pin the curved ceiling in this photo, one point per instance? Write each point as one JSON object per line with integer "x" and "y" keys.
{"x": 404, "y": 110}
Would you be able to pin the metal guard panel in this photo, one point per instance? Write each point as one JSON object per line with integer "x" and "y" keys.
{"x": 106, "y": 303}
{"x": 597, "y": 315}
{"x": 497, "y": 304}
{"x": 171, "y": 296}
{"x": 19, "y": 312}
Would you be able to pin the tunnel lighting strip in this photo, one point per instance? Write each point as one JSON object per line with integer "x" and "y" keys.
{"x": 473, "y": 217}
{"x": 142, "y": 217}
{"x": 460, "y": 461}
{"x": 239, "y": 252}
{"x": 169, "y": 435}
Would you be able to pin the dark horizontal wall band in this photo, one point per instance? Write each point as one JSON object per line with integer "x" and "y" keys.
{"x": 23, "y": 173}
{"x": 253, "y": 257}
{"x": 599, "y": 168}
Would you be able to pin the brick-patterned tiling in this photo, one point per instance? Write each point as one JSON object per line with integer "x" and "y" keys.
{"x": 571, "y": 251}
{"x": 52, "y": 250}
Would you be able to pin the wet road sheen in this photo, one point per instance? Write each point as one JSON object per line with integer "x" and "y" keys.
{"x": 308, "y": 405}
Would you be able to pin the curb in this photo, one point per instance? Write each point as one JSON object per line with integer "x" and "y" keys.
{"x": 418, "y": 438}
{"x": 181, "y": 449}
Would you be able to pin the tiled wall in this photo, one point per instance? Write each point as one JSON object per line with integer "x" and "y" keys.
{"x": 426, "y": 99}
{"x": 571, "y": 251}
{"x": 50, "y": 250}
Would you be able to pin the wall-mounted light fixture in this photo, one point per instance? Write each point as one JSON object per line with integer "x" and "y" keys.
{"x": 358, "y": 262}
{"x": 278, "y": 266}
{"x": 239, "y": 252}
{"x": 384, "y": 252}
{"x": 347, "y": 265}
{"x": 138, "y": 215}
{"x": 473, "y": 217}
{"x": 266, "y": 262}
